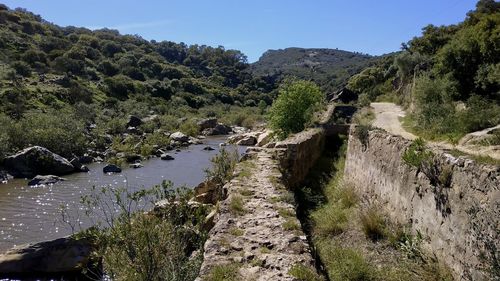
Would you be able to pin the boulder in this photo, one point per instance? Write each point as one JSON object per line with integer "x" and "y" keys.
{"x": 45, "y": 180}
{"x": 220, "y": 129}
{"x": 134, "y": 121}
{"x": 63, "y": 255}
{"x": 194, "y": 141}
{"x": 264, "y": 138}
{"x": 207, "y": 123}
{"x": 111, "y": 168}
{"x": 247, "y": 140}
{"x": 37, "y": 160}
{"x": 179, "y": 137}
{"x": 78, "y": 165}
{"x": 208, "y": 148}
{"x": 86, "y": 159}
{"x": 166, "y": 156}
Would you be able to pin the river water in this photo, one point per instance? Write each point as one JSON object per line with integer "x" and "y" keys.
{"x": 32, "y": 214}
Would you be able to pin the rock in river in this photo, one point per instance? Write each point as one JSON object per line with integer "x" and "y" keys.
{"x": 45, "y": 180}
{"x": 37, "y": 160}
{"x": 166, "y": 156}
{"x": 110, "y": 168}
{"x": 180, "y": 137}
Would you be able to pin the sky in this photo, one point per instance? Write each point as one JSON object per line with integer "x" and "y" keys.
{"x": 253, "y": 26}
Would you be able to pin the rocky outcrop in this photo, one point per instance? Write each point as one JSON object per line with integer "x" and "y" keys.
{"x": 219, "y": 129}
{"x": 37, "y": 160}
{"x": 459, "y": 219}
{"x": 179, "y": 137}
{"x": 45, "y": 180}
{"x": 63, "y": 255}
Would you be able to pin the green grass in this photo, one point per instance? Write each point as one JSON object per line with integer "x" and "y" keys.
{"x": 291, "y": 224}
{"x": 226, "y": 272}
{"x": 373, "y": 223}
{"x": 305, "y": 273}
{"x": 330, "y": 220}
{"x": 236, "y": 205}
{"x": 235, "y": 231}
{"x": 286, "y": 213}
{"x": 343, "y": 263}
{"x": 247, "y": 192}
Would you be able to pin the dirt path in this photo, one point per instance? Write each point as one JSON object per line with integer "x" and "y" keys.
{"x": 387, "y": 117}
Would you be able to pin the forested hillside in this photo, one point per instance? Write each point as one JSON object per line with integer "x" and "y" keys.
{"x": 448, "y": 78}
{"x": 329, "y": 68}
{"x": 57, "y": 81}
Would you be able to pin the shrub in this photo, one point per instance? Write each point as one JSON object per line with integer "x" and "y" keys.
{"x": 363, "y": 134}
{"x": 294, "y": 107}
{"x": 132, "y": 244}
{"x": 189, "y": 128}
{"x": 223, "y": 165}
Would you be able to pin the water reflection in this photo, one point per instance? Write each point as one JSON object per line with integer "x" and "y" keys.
{"x": 30, "y": 214}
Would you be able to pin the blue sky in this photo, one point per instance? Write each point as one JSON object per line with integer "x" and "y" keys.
{"x": 254, "y": 26}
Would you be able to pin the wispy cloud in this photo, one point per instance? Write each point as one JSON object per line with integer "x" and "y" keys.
{"x": 135, "y": 25}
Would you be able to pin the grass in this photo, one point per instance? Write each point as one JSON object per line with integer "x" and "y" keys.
{"x": 286, "y": 213}
{"x": 235, "y": 231}
{"x": 330, "y": 220}
{"x": 246, "y": 168}
{"x": 344, "y": 263}
{"x": 236, "y": 205}
{"x": 227, "y": 272}
{"x": 305, "y": 273}
{"x": 364, "y": 116}
{"x": 291, "y": 224}
{"x": 264, "y": 250}
{"x": 373, "y": 223}
{"x": 247, "y": 192}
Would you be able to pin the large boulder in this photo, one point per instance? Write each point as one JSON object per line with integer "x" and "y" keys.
{"x": 37, "y": 160}
{"x": 134, "y": 121}
{"x": 110, "y": 168}
{"x": 264, "y": 138}
{"x": 45, "y": 180}
{"x": 247, "y": 140}
{"x": 207, "y": 123}
{"x": 179, "y": 137}
{"x": 220, "y": 129}
{"x": 63, "y": 255}
{"x": 78, "y": 165}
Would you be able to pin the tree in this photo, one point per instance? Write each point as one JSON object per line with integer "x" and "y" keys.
{"x": 294, "y": 107}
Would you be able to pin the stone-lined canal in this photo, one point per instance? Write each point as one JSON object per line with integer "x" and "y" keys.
{"x": 32, "y": 214}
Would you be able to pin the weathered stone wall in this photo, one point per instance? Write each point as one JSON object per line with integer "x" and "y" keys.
{"x": 460, "y": 222}
{"x": 299, "y": 154}
{"x": 264, "y": 240}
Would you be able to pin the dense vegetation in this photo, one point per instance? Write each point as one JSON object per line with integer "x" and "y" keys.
{"x": 449, "y": 78}
{"x": 295, "y": 106}
{"x": 329, "y": 68}
{"x": 55, "y": 82}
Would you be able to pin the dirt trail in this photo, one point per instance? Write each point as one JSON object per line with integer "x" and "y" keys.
{"x": 387, "y": 117}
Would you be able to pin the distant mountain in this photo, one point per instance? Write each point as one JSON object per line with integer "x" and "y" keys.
{"x": 330, "y": 68}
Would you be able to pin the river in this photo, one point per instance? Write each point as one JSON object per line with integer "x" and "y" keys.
{"x": 32, "y": 214}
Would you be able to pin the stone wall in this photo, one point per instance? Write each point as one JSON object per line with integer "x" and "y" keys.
{"x": 264, "y": 240}
{"x": 460, "y": 222}
{"x": 299, "y": 154}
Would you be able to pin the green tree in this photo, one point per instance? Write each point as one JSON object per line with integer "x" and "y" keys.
{"x": 294, "y": 107}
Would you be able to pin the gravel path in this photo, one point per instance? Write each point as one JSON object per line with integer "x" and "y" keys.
{"x": 387, "y": 117}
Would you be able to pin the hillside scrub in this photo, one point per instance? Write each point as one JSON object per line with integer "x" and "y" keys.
{"x": 293, "y": 109}
{"x": 448, "y": 78}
